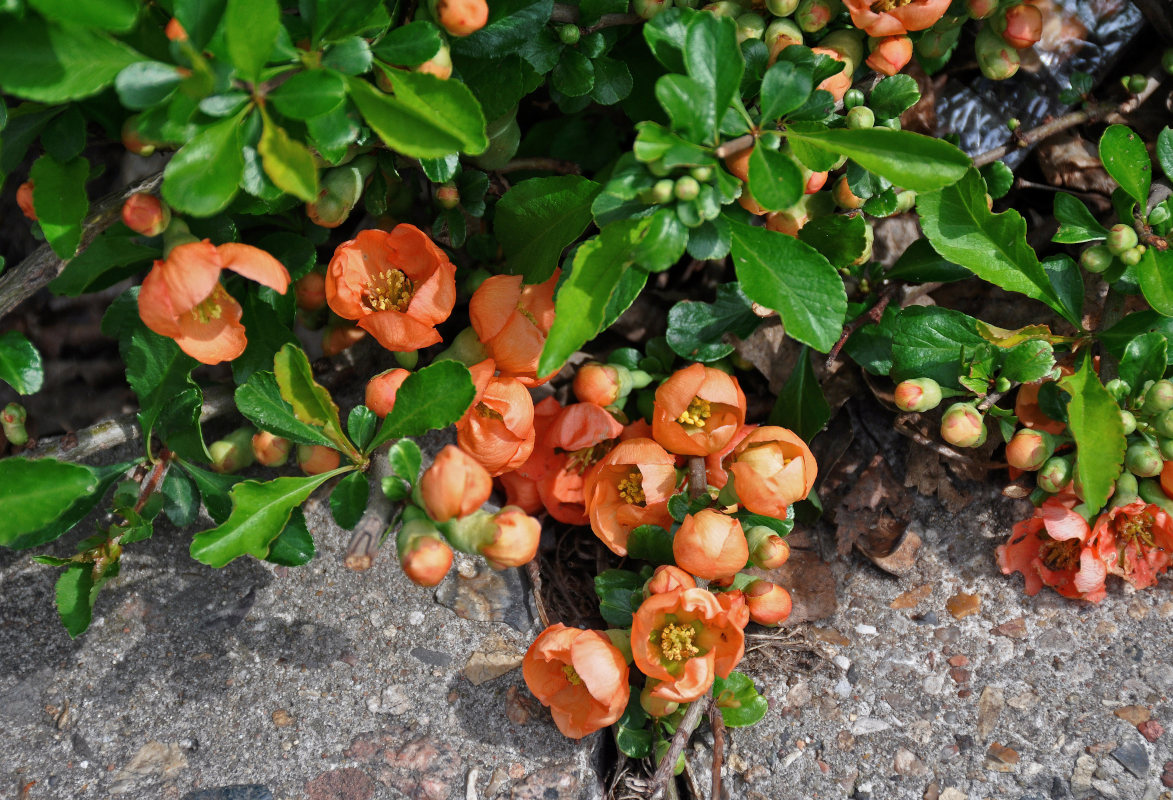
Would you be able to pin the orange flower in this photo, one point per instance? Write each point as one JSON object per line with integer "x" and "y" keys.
{"x": 769, "y": 604}
{"x": 381, "y": 391}
{"x": 890, "y": 54}
{"x": 426, "y": 560}
{"x": 580, "y": 675}
{"x": 710, "y": 545}
{"x": 685, "y": 638}
{"x": 772, "y": 468}
{"x": 1055, "y": 548}
{"x": 521, "y": 491}
{"x": 314, "y": 459}
{"x": 597, "y": 383}
{"x": 398, "y": 286}
{"x": 145, "y": 214}
{"x": 697, "y": 411}
{"x": 1135, "y": 542}
{"x": 894, "y": 17}
{"x": 182, "y": 298}
{"x": 24, "y": 199}
{"x": 630, "y": 487}
{"x": 511, "y": 320}
{"x": 578, "y": 438}
{"x": 1030, "y": 415}
{"x": 840, "y": 82}
{"x": 455, "y": 485}
{"x": 668, "y": 578}
{"x": 515, "y": 541}
{"x": 498, "y": 430}
{"x": 310, "y": 291}
{"x": 714, "y": 462}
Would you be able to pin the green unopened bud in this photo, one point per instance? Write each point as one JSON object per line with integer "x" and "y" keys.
{"x": 621, "y": 638}
{"x": 686, "y": 188}
{"x": 767, "y": 549}
{"x": 814, "y": 15}
{"x": 750, "y": 26}
{"x": 12, "y": 418}
{"x": 1128, "y": 421}
{"x": 853, "y": 98}
{"x": 655, "y": 706}
{"x": 662, "y": 192}
{"x": 1137, "y": 84}
{"x": 1029, "y": 449}
{"x": 659, "y": 168}
{"x": 1119, "y": 389}
{"x": 1166, "y": 448}
{"x": 1163, "y": 423}
{"x": 569, "y": 34}
{"x": 1158, "y": 397}
{"x": 1002, "y": 385}
{"x": 1121, "y": 237}
{"x": 1096, "y": 258}
{"x": 1055, "y": 474}
{"x": 781, "y": 29}
{"x": 234, "y": 452}
{"x": 848, "y": 43}
{"x": 861, "y": 117}
{"x": 919, "y": 394}
{"x": 1151, "y": 492}
{"x": 996, "y": 59}
{"x": 1130, "y": 258}
{"x": 963, "y": 426}
{"x": 781, "y": 8}
{"x": 1126, "y": 485}
{"x": 648, "y": 9}
{"x": 1143, "y": 460}
{"x": 1159, "y": 215}
{"x": 701, "y": 174}
{"x": 724, "y": 8}
{"x": 1013, "y": 124}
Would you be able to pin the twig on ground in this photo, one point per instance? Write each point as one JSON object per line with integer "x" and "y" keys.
{"x": 692, "y": 718}
{"x": 535, "y": 575}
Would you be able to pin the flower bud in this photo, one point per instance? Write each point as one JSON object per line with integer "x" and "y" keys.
{"x": 1029, "y": 449}
{"x": 963, "y": 426}
{"x": 448, "y": 196}
{"x": 439, "y": 65}
{"x": 661, "y": 192}
{"x": 860, "y": 117}
{"x": 1023, "y": 26}
{"x": 1143, "y": 460}
{"x": 337, "y": 338}
{"x": 853, "y": 98}
{"x": 571, "y": 34}
{"x": 424, "y": 556}
{"x": 814, "y": 15}
{"x": 768, "y": 603}
{"x": 1128, "y": 420}
{"x": 710, "y": 545}
{"x": 781, "y": 8}
{"x": 767, "y": 549}
{"x": 145, "y": 214}
{"x": 937, "y": 42}
{"x": 462, "y": 17}
{"x": 1055, "y": 474}
{"x": 648, "y": 9}
{"x": 12, "y": 419}
{"x": 844, "y": 197}
{"x": 668, "y": 578}
{"x": 1002, "y": 384}
{"x": 174, "y": 31}
{"x": 780, "y": 34}
{"x": 814, "y": 182}
{"x": 1159, "y": 215}
{"x": 789, "y": 222}
{"x": 1158, "y": 398}
{"x": 1137, "y": 84}
{"x": 686, "y": 188}
{"x": 1163, "y": 423}
{"x": 1130, "y": 258}
{"x": 1096, "y": 258}
{"x": 341, "y": 189}
{"x": 132, "y": 140}
{"x": 750, "y": 26}
{"x": 515, "y": 539}
{"x": 980, "y": 9}
{"x": 232, "y": 453}
{"x": 381, "y": 391}
{"x": 314, "y": 459}
{"x": 890, "y": 54}
{"x": 1121, "y": 237}
{"x": 656, "y": 706}
{"x": 724, "y": 8}
{"x": 1166, "y": 448}
{"x": 455, "y": 485}
{"x": 919, "y": 394}
{"x": 309, "y": 291}
{"x": 848, "y": 43}
{"x": 24, "y": 199}
{"x": 996, "y": 59}
{"x": 270, "y": 450}
{"x": 600, "y": 384}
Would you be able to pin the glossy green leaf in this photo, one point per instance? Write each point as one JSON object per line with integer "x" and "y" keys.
{"x": 348, "y": 501}
{"x": 433, "y": 397}
{"x": 409, "y": 45}
{"x": 51, "y": 64}
{"x": 664, "y": 243}
{"x": 1155, "y": 275}
{"x": 909, "y": 160}
{"x": 1093, "y": 418}
{"x": 801, "y": 405}
{"x": 76, "y": 511}
{"x": 1030, "y": 361}
{"x": 920, "y": 263}
{"x": 199, "y": 18}
{"x": 1145, "y": 359}
{"x": 738, "y": 700}
{"x": 1116, "y": 338}
{"x": 538, "y": 218}
{"x": 35, "y": 493}
{"x": 181, "y": 497}
{"x": 775, "y": 181}
{"x": 842, "y": 239}
{"x": 927, "y": 343}
{"x": 617, "y": 590}
{"x": 59, "y": 194}
{"x": 251, "y": 28}
{"x": 310, "y": 94}
{"x": 512, "y": 23}
{"x": 1127, "y": 161}
{"x": 632, "y": 736}
{"x": 713, "y": 60}
{"x": 351, "y": 56}
{"x": 613, "y": 81}
{"x": 107, "y": 15}
{"x": 1076, "y": 223}
{"x": 1067, "y": 280}
{"x": 400, "y": 126}
{"x": 20, "y": 363}
{"x": 261, "y": 403}
{"x": 146, "y": 83}
{"x": 1164, "y": 151}
{"x": 214, "y": 490}
{"x": 294, "y": 546}
{"x": 893, "y": 95}
{"x": 785, "y": 87}
{"x": 260, "y": 512}
{"x": 203, "y": 177}
{"x": 794, "y": 279}
{"x": 650, "y": 543}
{"x": 337, "y": 19}
{"x": 311, "y": 402}
{"x": 288, "y": 163}
{"x": 665, "y": 34}
{"x": 360, "y": 425}
{"x": 405, "y": 459}
{"x": 962, "y": 229}
{"x": 75, "y": 594}
{"x": 700, "y": 331}
{"x": 573, "y": 75}
{"x": 449, "y": 105}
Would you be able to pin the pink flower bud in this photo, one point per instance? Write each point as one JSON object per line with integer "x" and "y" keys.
{"x": 920, "y": 394}
{"x": 314, "y": 459}
{"x": 996, "y": 59}
{"x": 515, "y": 540}
{"x": 145, "y": 214}
{"x": 24, "y": 199}
{"x": 270, "y": 450}
{"x": 890, "y": 54}
{"x": 769, "y": 604}
{"x": 424, "y": 556}
{"x": 381, "y": 390}
{"x": 1029, "y": 449}
{"x": 980, "y": 9}
{"x": 962, "y": 426}
{"x": 1024, "y": 26}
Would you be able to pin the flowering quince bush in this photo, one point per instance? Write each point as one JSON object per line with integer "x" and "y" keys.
{"x": 476, "y": 192}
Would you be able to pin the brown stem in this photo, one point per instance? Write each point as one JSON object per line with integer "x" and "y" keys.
{"x": 874, "y": 314}
{"x": 154, "y": 479}
{"x": 541, "y": 164}
{"x": 734, "y": 146}
{"x": 692, "y": 718}
{"x": 698, "y": 477}
{"x": 564, "y": 13}
{"x": 535, "y": 575}
{"x": 717, "y": 723}
{"x": 368, "y": 533}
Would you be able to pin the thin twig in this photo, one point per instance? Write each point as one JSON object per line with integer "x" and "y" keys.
{"x": 734, "y": 146}
{"x": 535, "y": 575}
{"x": 36, "y": 271}
{"x": 368, "y": 533}
{"x": 717, "y": 723}
{"x": 153, "y": 480}
{"x": 698, "y": 477}
{"x": 874, "y": 314}
{"x": 692, "y": 718}
{"x": 541, "y": 164}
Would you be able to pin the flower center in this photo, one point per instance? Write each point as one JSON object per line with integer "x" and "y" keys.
{"x": 387, "y": 290}
{"x": 631, "y": 488}
{"x": 676, "y": 642}
{"x": 485, "y": 411}
{"x": 1060, "y": 555}
{"x": 210, "y": 308}
{"x": 571, "y": 675}
{"x": 880, "y": 6}
{"x": 696, "y": 414}
{"x": 1136, "y": 530}
{"x": 581, "y": 460}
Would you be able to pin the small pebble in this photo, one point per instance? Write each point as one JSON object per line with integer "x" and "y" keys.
{"x": 962, "y": 605}
{"x": 1133, "y": 757}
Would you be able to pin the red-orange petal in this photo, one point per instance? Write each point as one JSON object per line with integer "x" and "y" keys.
{"x": 254, "y": 264}
{"x": 190, "y": 273}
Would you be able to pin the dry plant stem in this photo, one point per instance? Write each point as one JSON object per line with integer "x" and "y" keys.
{"x": 542, "y": 164}
{"x": 734, "y": 146}
{"x": 692, "y": 718}
{"x": 717, "y": 723}
{"x": 535, "y": 575}
{"x": 698, "y": 477}
{"x": 153, "y": 480}
{"x": 368, "y": 533}
{"x": 36, "y": 271}
{"x": 79, "y": 445}
{"x": 1105, "y": 111}
{"x": 565, "y": 13}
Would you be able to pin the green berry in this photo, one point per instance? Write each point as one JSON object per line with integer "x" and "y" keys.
{"x": 750, "y": 26}
{"x": 1118, "y": 389}
{"x": 781, "y": 8}
{"x": 659, "y": 168}
{"x": 861, "y": 117}
{"x": 702, "y": 174}
{"x": 1121, "y": 237}
{"x": 1163, "y": 423}
{"x": 1128, "y": 420}
{"x": 1013, "y": 124}
{"x": 569, "y": 34}
{"x": 687, "y": 188}
{"x": 1096, "y": 258}
{"x": 1055, "y": 474}
{"x": 1132, "y": 257}
{"x": 1137, "y": 83}
{"x": 1166, "y": 448}
{"x": 1142, "y": 460}
{"x": 853, "y": 98}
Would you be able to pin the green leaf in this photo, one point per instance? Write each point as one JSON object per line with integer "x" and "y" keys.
{"x": 59, "y": 194}
{"x": 1145, "y": 359}
{"x": 294, "y": 546}
{"x": 928, "y": 342}
{"x": 1030, "y": 361}
{"x": 146, "y": 83}
{"x": 999, "y": 179}
{"x": 1127, "y": 161}
{"x": 775, "y": 181}
{"x": 1164, "y": 151}
{"x": 348, "y": 501}
{"x": 405, "y": 459}
{"x": 74, "y": 512}
{"x": 713, "y": 60}
{"x": 311, "y": 402}
{"x": 664, "y": 244}
{"x": 36, "y": 492}
{"x": 665, "y": 34}
{"x": 337, "y": 19}
{"x": 200, "y": 19}
{"x": 251, "y": 28}
{"x": 909, "y": 160}
{"x": 75, "y": 594}
{"x": 963, "y": 229}
{"x": 794, "y": 279}
{"x": 107, "y": 15}
{"x": 1116, "y": 338}
{"x": 538, "y": 218}
{"x": 617, "y": 590}
{"x": 409, "y": 45}
{"x": 51, "y": 64}
{"x": 261, "y": 403}
{"x": 1093, "y": 417}
{"x": 181, "y": 498}
{"x": 650, "y": 543}
{"x": 511, "y": 24}
{"x": 581, "y": 302}
{"x": 360, "y": 425}
{"x": 20, "y": 363}
{"x": 449, "y": 105}
{"x": 920, "y": 263}
{"x": 894, "y": 95}
{"x": 573, "y": 75}
{"x": 260, "y": 512}
{"x": 632, "y": 736}
{"x": 310, "y": 94}
{"x": 840, "y": 238}
{"x": 288, "y": 163}
{"x": 801, "y": 406}
{"x": 697, "y": 331}
{"x": 401, "y": 127}
{"x": 1155, "y": 275}
{"x": 785, "y": 87}
{"x": 214, "y": 490}
{"x": 738, "y": 700}
{"x": 613, "y": 81}
{"x": 203, "y": 177}
{"x": 351, "y": 56}
{"x": 1076, "y": 223}
{"x": 433, "y": 397}
{"x": 1067, "y": 279}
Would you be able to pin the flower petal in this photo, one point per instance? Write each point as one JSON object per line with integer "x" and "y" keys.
{"x": 190, "y": 272}
{"x": 254, "y": 264}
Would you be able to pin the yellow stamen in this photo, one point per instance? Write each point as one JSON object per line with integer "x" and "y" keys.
{"x": 880, "y": 6}
{"x": 485, "y": 411}
{"x": 696, "y": 414}
{"x": 631, "y": 488}
{"x": 526, "y": 313}
{"x": 210, "y": 308}
{"x": 582, "y": 460}
{"x": 390, "y": 289}
{"x": 571, "y": 675}
{"x": 1137, "y": 530}
{"x": 676, "y": 642}
{"x": 1060, "y": 555}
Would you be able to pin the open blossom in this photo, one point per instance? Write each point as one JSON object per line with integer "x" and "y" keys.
{"x": 1056, "y": 548}
{"x": 512, "y": 319}
{"x": 580, "y": 675}
{"x": 698, "y": 410}
{"x": 894, "y": 17}
{"x": 684, "y": 638}
{"x": 1135, "y": 542}
{"x": 630, "y": 487}
{"x": 397, "y": 286}
{"x": 182, "y": 298}
{"x": 772, "y": 467}
{"x": 578, "y": 438}
{"x": 498, "y": 429}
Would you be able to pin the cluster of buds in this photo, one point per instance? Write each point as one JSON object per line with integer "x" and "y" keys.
{"x": 1010, "y": 28}
{"x": 1121, "y": 246}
